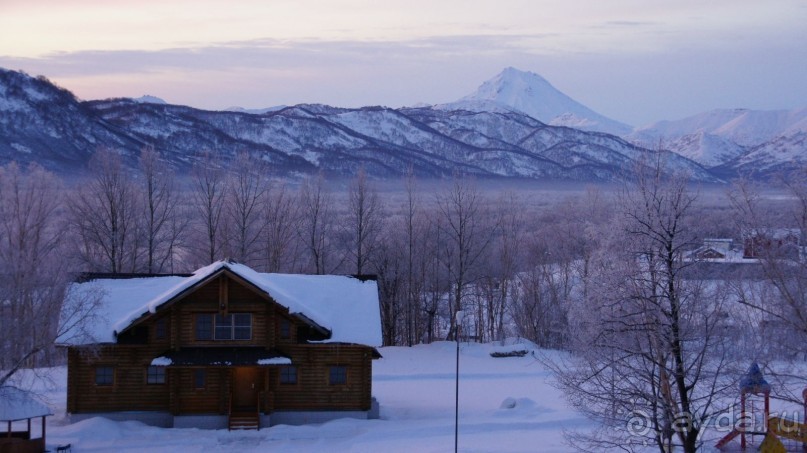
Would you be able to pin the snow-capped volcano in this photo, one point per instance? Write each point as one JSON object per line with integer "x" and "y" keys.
{"x": 530, "y": 93}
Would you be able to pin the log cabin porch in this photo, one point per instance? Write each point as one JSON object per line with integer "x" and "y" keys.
{"x": 238, "y": 377}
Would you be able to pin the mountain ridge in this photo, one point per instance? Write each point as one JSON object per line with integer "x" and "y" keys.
{"x": 42, "y": 123}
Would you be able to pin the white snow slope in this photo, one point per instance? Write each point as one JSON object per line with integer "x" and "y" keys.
{"x": 741, "y": 126}
{"x": 719, "y": 137}
{"x": 532, "y": 94}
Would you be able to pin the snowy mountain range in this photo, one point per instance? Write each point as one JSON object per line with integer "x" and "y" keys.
{"x": 505, "y": 129}
{"x": 722, "y": 137}
{"x": 717, "y": 138}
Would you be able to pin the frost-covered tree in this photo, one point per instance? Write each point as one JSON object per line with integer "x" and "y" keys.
{"x": 649, "y": 356}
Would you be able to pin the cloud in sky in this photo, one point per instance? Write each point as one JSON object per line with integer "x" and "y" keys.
{"x": 629, "y": 59}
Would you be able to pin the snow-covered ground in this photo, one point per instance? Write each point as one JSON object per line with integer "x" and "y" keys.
{"x": 415, "y": 387}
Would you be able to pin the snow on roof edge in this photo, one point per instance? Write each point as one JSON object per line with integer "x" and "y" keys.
{"x": 151, "y": 306}
{"x": 16, "y": 404}
{"x": 291, "y": 292}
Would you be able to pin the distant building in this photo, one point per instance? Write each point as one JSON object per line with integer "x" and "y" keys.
{"x": 714, "y": 249}
{"x": 771, "y": 242}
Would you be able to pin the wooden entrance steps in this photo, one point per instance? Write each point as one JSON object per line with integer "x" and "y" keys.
{"x": 244, "y": 420}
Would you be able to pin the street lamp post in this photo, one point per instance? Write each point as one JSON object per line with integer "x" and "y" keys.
{"x": 458, "y": 323}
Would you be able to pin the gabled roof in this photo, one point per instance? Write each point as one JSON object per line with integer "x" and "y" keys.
{"x": 346, "y": 306}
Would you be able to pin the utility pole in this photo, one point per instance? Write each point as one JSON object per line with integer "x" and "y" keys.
{"x": 458, "y": 322}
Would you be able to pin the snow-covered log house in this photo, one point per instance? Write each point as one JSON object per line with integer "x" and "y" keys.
{"x": 226, "y": 347}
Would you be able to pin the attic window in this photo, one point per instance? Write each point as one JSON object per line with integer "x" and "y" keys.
{"x": 235, "y": 326}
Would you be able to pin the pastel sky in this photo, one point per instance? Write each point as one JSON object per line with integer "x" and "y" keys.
{"x": 636, "y": 61}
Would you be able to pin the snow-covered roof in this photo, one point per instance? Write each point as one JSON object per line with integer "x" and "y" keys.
{"x": 346, "y": 306}
{"x": 16, "y": 404}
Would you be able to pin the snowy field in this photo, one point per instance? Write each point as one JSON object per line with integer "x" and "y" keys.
{"x": 415, "y": 387}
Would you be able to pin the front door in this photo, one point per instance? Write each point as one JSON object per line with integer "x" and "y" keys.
{"x": 246, "y": 386}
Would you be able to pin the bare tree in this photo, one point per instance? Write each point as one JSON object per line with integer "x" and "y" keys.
{"x": 648, "y": 346}
{"x": 779, "y": 298}
{"x": 389, "y": 264}
{"x": 414, "y": 286}
{"x": 432, "y": 273}
{"x": 468, "y": 229}
{"x": 506, "y": 260}
{"x": 208, "y": 191}
{"x": 364, "y": 219}
{"x": 105, "y": 215}
{"x": 33, "y": 274}
{"x": 248, "y": 189}
{"x": 540, "y": 299}
{"x": 163, "y": 226}
{"x": 317, "y": 222}
{"x": 781, "y": 260}
{"x": 280, "y": 227}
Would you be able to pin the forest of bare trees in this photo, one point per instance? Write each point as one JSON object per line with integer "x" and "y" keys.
{"x": 600, "y": 272}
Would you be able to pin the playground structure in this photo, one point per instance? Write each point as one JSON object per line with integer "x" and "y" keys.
{"x": 775, "y": 428}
